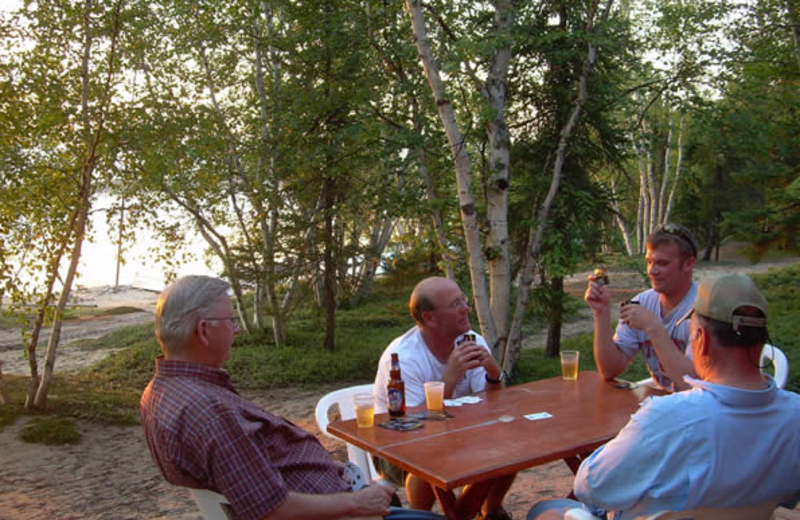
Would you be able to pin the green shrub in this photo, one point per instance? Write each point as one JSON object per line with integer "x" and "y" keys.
{"x": 51, "y": 431}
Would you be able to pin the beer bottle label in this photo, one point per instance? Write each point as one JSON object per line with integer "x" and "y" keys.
{"x": 395, "y": 400}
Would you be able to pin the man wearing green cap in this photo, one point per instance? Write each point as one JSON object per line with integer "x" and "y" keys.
{"x": 730, "y": 441}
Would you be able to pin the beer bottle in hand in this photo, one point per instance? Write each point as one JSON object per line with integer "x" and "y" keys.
{"x": 396, "y": 390}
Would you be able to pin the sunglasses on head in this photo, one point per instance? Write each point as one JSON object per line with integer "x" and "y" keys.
{"x": 682, "y": 233}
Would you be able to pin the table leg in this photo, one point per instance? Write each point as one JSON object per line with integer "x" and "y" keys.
{"x": 468, "y": 503}
{"x": 447, "y": 501}
{"x": 574, "y": 463}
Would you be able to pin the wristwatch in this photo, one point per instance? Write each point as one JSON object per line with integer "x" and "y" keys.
{"x": 498, "y": 380}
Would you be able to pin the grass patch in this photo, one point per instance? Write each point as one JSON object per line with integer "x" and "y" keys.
{"x": 51, "y": 431}
{"x": 116, "y": 311}
{"x": 20, "y": 318}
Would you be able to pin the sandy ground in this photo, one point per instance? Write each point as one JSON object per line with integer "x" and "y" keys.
{"x": 69, "y": 358}
{"x": 109, "y": 475}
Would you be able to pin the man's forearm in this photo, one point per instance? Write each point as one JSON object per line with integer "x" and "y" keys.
{"x": 675, "y": 363}
{"x": 610, "y": 360}
{"x": 299, "y": 506}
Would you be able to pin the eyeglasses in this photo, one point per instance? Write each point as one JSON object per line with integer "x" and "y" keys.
{"x": 682, "y": 233}
{"x": 234, "y": 320}
{"x": 458, "y": 302}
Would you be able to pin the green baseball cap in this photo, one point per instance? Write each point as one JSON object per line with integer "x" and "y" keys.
{"x": 720, "y": 298}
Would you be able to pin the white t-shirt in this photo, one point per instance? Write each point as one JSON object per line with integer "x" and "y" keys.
{"x": 631, "y": 341}
{"x": 418, "y": 366}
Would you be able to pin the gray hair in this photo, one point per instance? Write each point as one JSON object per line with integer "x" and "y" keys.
{"x": 182, "y": 305}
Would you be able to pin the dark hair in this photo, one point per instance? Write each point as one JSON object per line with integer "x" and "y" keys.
{"x": 727, "y": 337}
{"x": 674, "y": 233}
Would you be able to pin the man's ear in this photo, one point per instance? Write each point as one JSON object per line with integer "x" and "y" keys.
{"x": 201, "y": 330}
{"x": 689, "y": 263}
{"x": 703, "y": 338}
{"x": 428, "y": 317}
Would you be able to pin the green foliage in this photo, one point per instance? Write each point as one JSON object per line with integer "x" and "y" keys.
{"x": 51, "y": 431}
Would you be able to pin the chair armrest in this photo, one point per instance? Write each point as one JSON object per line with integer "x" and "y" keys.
{"x": 579, "y": 514}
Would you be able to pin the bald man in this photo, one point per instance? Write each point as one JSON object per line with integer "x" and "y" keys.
{"x": 428, "y": 352}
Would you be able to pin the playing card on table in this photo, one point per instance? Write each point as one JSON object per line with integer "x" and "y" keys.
{"x": 538, "y": 416}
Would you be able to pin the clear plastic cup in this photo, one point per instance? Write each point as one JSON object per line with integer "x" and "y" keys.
{"x": 434, "y": 395}
{"x": 569, "y": 364}
{"x": 365, "y": 410}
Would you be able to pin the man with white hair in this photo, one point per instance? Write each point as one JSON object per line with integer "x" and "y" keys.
{"x": 730, "y": 441}
{"x": 203, "y": 434}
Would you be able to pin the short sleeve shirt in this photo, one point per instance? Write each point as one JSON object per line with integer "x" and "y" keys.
{"x": 203, "y": 434}
{"x": 418, "y": 366}
{"x": 631, "y": 341}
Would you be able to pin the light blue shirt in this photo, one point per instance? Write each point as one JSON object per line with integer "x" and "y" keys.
{"x": 711, "y": 446}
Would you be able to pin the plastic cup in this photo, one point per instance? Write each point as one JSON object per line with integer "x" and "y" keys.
{"x": 434, "y": 395}
{"x": 365, "y": 410}
{"x": 569, "y": 364}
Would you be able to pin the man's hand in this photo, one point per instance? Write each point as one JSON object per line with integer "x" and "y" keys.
{"x": 372, "y": 500}
{"x": 597, "y": 297}
{"x": 638, "y": 317}
{"x": 466, "y": 356}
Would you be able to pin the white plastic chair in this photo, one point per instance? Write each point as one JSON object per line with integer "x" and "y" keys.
{"x": 760, "y": 511}
{"x": 342, "y": 397}
{"x": 779, "y": 363}
{"x": 212, "y": 506}
{"x": 769, "y": 353}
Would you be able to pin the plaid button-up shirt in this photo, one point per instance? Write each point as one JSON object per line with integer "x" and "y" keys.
{"x": 203, "y": 434}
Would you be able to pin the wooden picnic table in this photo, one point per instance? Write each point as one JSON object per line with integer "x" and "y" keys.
{"x": 492, "y": 438}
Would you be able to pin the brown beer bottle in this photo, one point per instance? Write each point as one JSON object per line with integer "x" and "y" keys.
{"x": 396, "y": 389}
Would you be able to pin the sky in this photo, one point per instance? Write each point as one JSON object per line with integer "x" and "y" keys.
{"x": 98, "y": 264}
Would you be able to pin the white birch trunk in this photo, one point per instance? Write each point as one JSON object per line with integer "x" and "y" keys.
{"x": 495, "y": 93}
{"x": 3, "y": 399}
{"x": 640, "y": 217}
{"x": 665, "y": 176}
{"x": 469, "y": 216}
{"x": 379, "y": 240}
{"x": 623, "y": 226}
{"x": 643, "y": 212}
{"x": 92, "y": 138}
{"x": 678, "y": 163}
{"x": 652, "y": 196}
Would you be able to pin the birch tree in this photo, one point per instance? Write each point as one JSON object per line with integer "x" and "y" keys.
{"x": 492, "y": 303}
{"x": 70, "y": 60}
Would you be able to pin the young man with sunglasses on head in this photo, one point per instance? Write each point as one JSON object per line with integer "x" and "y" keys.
{"x": 649, "y": 322}
{"x": 428, "y": 352}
